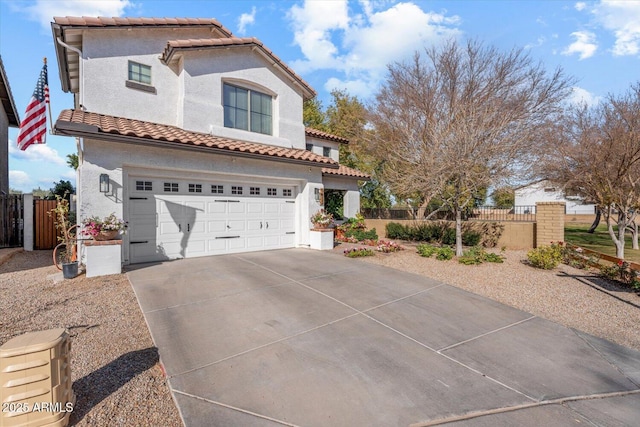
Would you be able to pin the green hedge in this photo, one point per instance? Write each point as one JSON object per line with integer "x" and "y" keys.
{"x": 437, "y": 232}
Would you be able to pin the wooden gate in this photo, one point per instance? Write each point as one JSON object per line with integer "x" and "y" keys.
{"x": 11, "y": 220}
{"x": 45, "y": 233}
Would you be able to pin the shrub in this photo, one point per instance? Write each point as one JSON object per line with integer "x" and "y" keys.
{"x": 449, "y": 236}
{"x": 477, "y": 255}
{"x": 360, "y": 234}
{"x": 387, "y": 247}
{"x": 445, "y": 253}
{"x": 426, "y": 250}
{"x": 358, "y": 252}
{"x": 397, "y": 231}
{"x": 546, "y": 257}
{"x": 471, "y": 238}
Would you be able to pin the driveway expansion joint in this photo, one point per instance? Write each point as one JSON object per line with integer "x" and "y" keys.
{"x": 244, "y": 411}
{"x": 559, "y": 401}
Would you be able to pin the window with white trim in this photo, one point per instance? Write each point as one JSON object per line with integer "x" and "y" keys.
{"x": 236, "y": 190}
{"x": 286, "y": 192}
{"x": 139, "y": 73}
{"x": 254, "y": 191}
{"x": 326, "y": 151}
{"x": 272, "y": 191}
{"x": 247, "y": 109}
{"x": 217, "y": 189}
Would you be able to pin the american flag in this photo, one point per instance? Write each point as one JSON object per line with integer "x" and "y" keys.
{"x": 33, "y": 128}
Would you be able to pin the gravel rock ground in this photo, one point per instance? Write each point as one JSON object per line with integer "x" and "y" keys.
{"x": 572, "y": 297}
{"x": 116, "y": 375}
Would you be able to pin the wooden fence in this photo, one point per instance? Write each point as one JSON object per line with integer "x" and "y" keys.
{"x": 45, "y": 233}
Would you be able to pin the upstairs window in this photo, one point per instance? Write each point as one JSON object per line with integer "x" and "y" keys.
{"x": 139, "y": 73}
{"x": 247, "y": 109}
{"x": 309, "y": 147}
{"x": 326, "y": 151}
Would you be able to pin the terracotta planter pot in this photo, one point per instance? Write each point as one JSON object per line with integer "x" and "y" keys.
{"x": 107, "y": 235}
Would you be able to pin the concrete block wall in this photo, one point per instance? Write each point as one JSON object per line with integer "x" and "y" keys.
{"x": 549, "y": 223}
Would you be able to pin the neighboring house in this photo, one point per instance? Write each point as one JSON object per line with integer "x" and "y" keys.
{"x": 8, "y": 118}
{"x": 544, "y": 191}
{"x": 199, "y": 134}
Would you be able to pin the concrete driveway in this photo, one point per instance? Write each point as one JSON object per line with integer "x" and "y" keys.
{"x": 308, "y": 338}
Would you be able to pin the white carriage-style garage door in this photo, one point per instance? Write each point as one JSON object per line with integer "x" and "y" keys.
{"x": 171, "y": 219}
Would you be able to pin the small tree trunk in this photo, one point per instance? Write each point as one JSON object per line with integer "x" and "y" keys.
{"x": 633, "y": 229}
{"x": 619, "y": 239}
{"x": 458, "y": 232}
{"x": 596, "y": 221}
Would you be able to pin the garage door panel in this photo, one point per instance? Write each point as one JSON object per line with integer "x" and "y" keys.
{"x": 219, "y": 226}
{"x": 237, "y": 244}
{"x": 177, "y": 225}
{"x": 236, "y": 207}
{"x": 216, "y": 207}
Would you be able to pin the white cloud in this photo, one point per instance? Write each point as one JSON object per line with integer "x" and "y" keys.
{"x": 20, "y": 180}
{"x": 43, "y": 11}
{"x": 360, "y": 46}
{"x": 245, "y": 20}
{"x": 623, "y": 19}
{"x": 580, "y": 6}
{"x": 37, "y": 153}
{"x": 583, "y": 96}
{"x": 584, "y": 44}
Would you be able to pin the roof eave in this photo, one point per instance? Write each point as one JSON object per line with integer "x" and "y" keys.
{"x": 83, "y": 130}
{"x": 9, "y": 103}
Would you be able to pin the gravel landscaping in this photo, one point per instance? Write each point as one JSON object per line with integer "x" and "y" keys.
{"x": 119, "y": 382}
{"x": 572, "y": 297}
{"x": 116, "y": 375}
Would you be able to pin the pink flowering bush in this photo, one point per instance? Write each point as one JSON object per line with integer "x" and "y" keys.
{"x": 94, "y": 225}
{"x": 388, "y": 246}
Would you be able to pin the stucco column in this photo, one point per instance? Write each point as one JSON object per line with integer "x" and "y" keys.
{"x": 549, "y": 223}
{"x": 27, "y": 221}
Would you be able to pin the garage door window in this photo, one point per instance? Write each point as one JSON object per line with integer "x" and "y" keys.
{"x": 286, "y": 192}
{"x": 236, "y": 190}
{"x": 170, "y": 187}
{"x": 217, "y": 189}
{"x": 254, "y": 191}
{"x": 195, "y": 188}
{"x": 144, "y": 186}
{"x": 272, "y": 191}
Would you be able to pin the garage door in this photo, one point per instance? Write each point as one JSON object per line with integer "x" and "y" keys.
{"x": 171, "y": 219}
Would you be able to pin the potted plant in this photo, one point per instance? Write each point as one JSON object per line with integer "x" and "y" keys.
{"x": 322, "y": 219}
{"x": 107, "y": 228}
{"x": 65, "y": 253}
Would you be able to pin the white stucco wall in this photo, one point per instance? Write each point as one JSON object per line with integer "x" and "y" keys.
{"x": 528, "y": 196}
{"x": 120, "y": 160}
{"x": 319, "y": 144}
{"x": 188, "y": 94}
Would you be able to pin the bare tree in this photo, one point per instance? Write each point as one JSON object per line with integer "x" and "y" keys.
{"x": 461, "y": 118}
{"x": 596, "y": 152}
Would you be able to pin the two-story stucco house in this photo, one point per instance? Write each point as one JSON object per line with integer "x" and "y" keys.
{"x": 8, "y": 118}
{"x": 193, "y": 136}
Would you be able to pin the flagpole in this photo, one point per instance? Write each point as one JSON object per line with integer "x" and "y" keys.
{"x": 48, "y": 104}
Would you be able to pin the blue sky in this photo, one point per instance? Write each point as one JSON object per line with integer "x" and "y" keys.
{"x": 335, "y": 44}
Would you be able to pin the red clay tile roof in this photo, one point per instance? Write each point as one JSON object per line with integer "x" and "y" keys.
{"x": 346, "y": 171}
{"x": 175, "y": 45}
{"x": 93, "y": 125}
{"x": 101, "y": 21}
{"x": 315, "y": 133}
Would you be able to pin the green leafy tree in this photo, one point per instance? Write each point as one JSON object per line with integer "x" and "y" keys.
{"x": 72, "y": 161}
{"x": 313, "y": 116}
{"x": 504, "y": 197}
{"x": 63, "y": 189}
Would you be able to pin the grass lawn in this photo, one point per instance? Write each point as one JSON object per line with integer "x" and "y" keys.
{"x": 598, "y": 241}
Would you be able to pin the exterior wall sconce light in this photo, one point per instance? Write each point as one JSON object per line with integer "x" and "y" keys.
{"x": 319, "y": 196}
{"x": 104, "y": 183}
